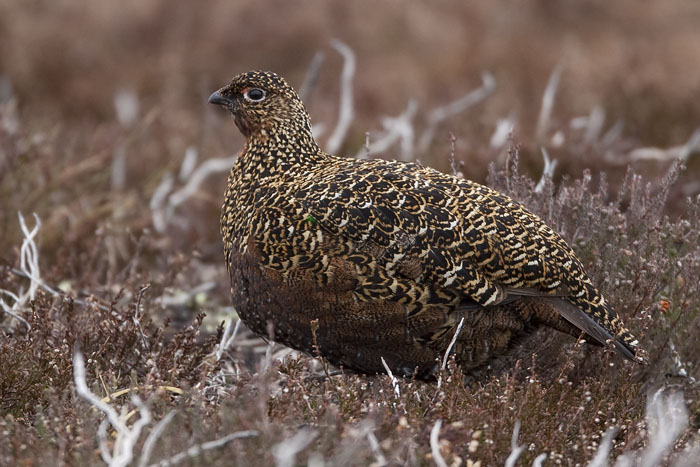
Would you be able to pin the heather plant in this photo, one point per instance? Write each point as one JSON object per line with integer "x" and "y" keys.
{"x": 563, "y": 402}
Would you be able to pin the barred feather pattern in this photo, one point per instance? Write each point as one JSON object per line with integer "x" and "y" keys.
{"x": 364, "y": 259}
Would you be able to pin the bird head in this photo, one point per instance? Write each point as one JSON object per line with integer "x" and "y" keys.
{"x": 262, "y": 102}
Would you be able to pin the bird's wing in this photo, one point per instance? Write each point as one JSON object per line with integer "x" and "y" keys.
{"x": 453, "y": 235}
{"x": 440, "y": 230}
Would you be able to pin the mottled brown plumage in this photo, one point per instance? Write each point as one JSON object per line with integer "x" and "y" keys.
{"x": 385, "y": 258}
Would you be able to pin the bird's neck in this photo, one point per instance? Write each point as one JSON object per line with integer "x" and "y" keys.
{"x": 281, "y": 150}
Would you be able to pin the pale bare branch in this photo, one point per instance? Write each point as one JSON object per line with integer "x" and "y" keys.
{"x": 189, "y": 162}
{"x": 547, "y": 171}
{"x": 346, "y": 111}
{"x": 311, "y": 77}
{"x": 209, "y": 167}
{"x": 438, "y": 115}
{"x": 503, "y": 131}
{"x": 683, "y": 152}
{"x": 667, "y": 417}
{"x": 158, "y": 199}
{"x": 153, "y": 436}
{"x": 376, "y": 449}
{"x": 548, "y": 98}
{"x": 123, "y": 450}
{"x": 126, "y": 106}
{"x": 601, "y": 455}
{"x": 197, "y": 449}
{"x": 228, "y": 338}
{"x": 435, "y": 445}
{"x": 539, "y": 460}
{"x": 594, "y": 125}
{"x": 286, "y": 451}
{"x": 515, "y": 449}
{"x": 394, "y": 381}
{"x": 449, "y": 349}
{"x": 29, "y": 268}
{"x": 398, "y": 128}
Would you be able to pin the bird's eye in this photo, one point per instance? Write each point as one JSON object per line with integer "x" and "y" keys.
{"x": 254, "y": 95}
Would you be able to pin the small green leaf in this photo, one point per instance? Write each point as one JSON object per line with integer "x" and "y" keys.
{"x": 311, "y": 219}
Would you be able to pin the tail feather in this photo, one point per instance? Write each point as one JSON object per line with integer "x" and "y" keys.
{"x": 598, "y": 321}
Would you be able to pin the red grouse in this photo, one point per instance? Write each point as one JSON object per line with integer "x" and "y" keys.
{"x": 377, "y": 259}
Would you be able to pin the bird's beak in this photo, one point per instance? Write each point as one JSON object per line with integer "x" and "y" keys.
{"x": 218, "y": 99}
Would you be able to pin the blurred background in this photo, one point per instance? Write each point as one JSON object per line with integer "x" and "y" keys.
{"x": 105, "y": 123}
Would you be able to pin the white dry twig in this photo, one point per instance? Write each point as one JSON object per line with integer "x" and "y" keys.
{"x": 54, "y": 292}
{"x": 126, "y": 106}
{"x": 624, "y": 461}
{"x": 667, "y": 418}
{"x": 153, "y": 436}
{"x": 398, "y": 128}
{"x": 449, "y": 349}
{"x": 612, "y": 135}
{"x": 678, "y": 363}
{"x": 137, "y": 315}
{"x": 394, "y": 381}
{"x": 182, "y": 297}
{"x": 452, "y": 343}
{"x": 601, "y": 455}
{"x": 159, "y": 214}
{"x": 197, "y": 449}
{"x": 346, "y": 111}
{"x": 29, "y": 268}
{"x": 29, "y": 255}
{"x": 539, "y": 460}
{"x": 11, "y": 310}
{"x": 268, "y": 355}
{"x": 548, "y": 97}
{"x": 118, "y": 172}
{"x": 515, "y": 449}
{"x": 285, "y": 452}
{"x": 123, "y": 450}
{"x": 682, "y": 152}
{"x": 504, "y": 128}
{"x": 547, "y": 172}
{"x": 311, "y": 77}
{"x": 436, "y": 116}
{"x": 228, "y": 338}
{"x": 376, "y": 449}
{"x": 690, "y": 455}
{"x": 163, "y": 202}
{"x": 594, "y": 125}
{"x": 435, "y": 445}
{"x": 209, "y": 167}
{"x": 189, "y": 163}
